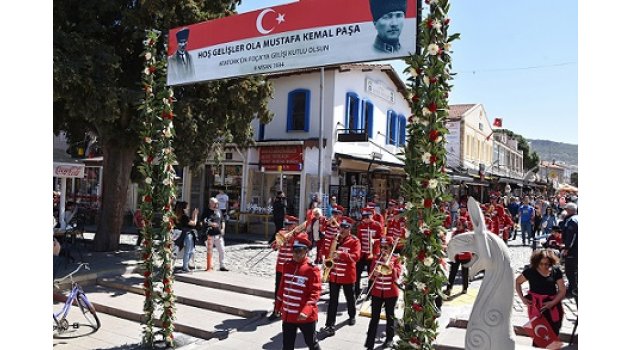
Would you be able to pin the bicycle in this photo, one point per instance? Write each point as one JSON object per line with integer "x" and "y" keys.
{"x": 60, "y": 322}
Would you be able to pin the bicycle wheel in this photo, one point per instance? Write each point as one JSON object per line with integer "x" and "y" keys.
{"x": 88, "y": 311}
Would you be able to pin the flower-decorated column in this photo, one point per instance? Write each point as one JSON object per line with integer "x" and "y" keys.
{"x": 427, "y": 182}
{"x": 158, "y": 194}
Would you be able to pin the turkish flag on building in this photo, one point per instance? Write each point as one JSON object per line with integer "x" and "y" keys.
{"x": 498, "y": 122}
{"x": 541, "y": 332}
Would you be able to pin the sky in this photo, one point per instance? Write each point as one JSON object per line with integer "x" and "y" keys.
{"x": 519, "y": 59}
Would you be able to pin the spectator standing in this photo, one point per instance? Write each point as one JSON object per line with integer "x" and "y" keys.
{"x": 224, "y": 201}
{"x": 546, "y": 288}
{"x": 526, "y": 217}
{"x": 186, "y": 224}
{"x": 548, "y": 221}
{"x": 279, "y": 212}
{"x": 454, "y": 209}
{"x": 513, "y": 210}
{"x": 570, "y": 252}
{"x": 214, "y": 219}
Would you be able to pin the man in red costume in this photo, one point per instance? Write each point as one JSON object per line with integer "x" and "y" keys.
{"x": 299, "y": 292}
{"x": 285, "y": 255}
{"x": 384, "y": 292}
{"x": 369, "y": 233}
{"x": 343, "y": 275}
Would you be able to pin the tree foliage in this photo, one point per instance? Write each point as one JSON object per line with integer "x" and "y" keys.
{"x": 530, "y": 158}
{"x": 97, "y": 49}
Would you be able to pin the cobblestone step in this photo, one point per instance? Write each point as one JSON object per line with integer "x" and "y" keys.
{"x": 193, "y": 321}
{"x": 453, "y": 338}
{"x": 228, "y": 302}
{"x": 251, "y": 285}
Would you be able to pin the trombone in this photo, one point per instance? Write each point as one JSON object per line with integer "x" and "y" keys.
{"x": 281, "y": 239}
{"x": 382, "y": 268}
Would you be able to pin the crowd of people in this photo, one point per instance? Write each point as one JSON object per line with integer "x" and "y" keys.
{"x": 342, "y": 249}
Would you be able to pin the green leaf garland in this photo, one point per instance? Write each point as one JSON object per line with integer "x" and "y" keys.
{"x": 427, "y": 183}
{"x": 157, "y": 192}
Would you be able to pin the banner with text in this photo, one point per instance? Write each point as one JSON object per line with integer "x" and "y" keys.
{"x": 286, "y": 37}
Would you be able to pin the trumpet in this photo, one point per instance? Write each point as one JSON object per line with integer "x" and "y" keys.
{"x": 333, "y": 222}
{"x": 281, "y": 239}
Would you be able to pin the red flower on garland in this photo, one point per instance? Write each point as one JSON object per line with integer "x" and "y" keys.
{"x": 433, "y": 135}
{"x": 430, "y": 23}
{"x": 427, "y": 233}
{"x": 147, "y": 273}
{"x": 433, "y": 159}
{"x": 421, "y": 255}
{"x": 432, "y": 107}
{"x": 167, "y": 290}
{"x": 425, "y": 183}
{"x": 415, "y": 98}
{"x": 166, "y": 281}
{"x": 146, "y": 284}
{"x": 167, "y": 115}
{"x": 417, "y": 307}
{"x": 414, "y": 340}
{"x": 446, "y": 21}
{"x": 147, "y": 198}
{"x": 433, "y": 80}
{"x": 428, "y": 202}
{"x": 152, "y": 69}
{"x": 167, "y": 207}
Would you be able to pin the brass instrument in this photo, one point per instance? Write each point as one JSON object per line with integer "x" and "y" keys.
{"x": 329, "y": 263}
{"x": 334, "y": 221}
{"x": 385, "y": 268}
{"x": 281, "y": 239}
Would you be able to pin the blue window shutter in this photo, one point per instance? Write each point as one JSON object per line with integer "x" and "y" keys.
{"x": 402, "y": 130}
{"x": 392, "y": 132}
{"x": 369, "y": 118}
{"x": 352, "y": 111}
{"x": 298, "y": 110}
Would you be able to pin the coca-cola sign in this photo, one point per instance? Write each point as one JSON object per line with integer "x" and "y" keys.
{"x": 68, "y": 170}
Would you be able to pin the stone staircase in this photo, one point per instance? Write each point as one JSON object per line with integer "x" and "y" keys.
{"x": 209, "y": 304}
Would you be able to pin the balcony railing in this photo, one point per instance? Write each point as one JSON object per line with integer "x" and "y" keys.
{"x": 352, "y": 135}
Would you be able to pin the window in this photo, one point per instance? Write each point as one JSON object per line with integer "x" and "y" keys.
{"x": 402, "y": 130}
{"x": 298, "y": 110}
{"x": 368, "y": 117}
{"x": 261, "y": 131}
{"x": 352, "y": 111}
{"x": 392, "y": 128}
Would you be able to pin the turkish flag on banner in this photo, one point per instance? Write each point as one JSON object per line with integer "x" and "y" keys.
{"x": 541, "y": 332}
{"x": 498, "y": 122}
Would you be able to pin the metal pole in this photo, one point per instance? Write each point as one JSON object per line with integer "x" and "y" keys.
{"x": 320, "y": 168}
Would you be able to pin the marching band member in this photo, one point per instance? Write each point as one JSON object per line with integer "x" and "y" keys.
{"x": 343, "y": 274}
{"x": 300, "y": 289}
{"x": 369, "y": 233}
{"x": 376, "y": 216}
{"x": 331, "y": 229}
{"x": 384, "y": 291}
{"x": 397, "y": 228}
{"x": 316, "y": 228}
{"x": 285, "y": 255}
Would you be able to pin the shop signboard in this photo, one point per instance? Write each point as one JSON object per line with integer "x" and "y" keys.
{"x": 68, "y": 170}
{"x": 292, "y": 36}
{"x": 282, "y": 158}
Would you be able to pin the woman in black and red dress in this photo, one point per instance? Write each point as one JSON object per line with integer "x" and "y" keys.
{"x": 460, "y": 259}
{"x": 546, "y": 288}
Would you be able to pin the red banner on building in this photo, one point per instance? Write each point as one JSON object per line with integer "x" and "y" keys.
{"x": 285, "y": 158}
{"x": 291, "y": 36}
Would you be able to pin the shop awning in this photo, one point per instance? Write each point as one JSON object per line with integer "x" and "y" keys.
{"x": 362, "y": 162}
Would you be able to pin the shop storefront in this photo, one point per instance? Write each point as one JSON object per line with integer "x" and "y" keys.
{"x": 279, "y": 168}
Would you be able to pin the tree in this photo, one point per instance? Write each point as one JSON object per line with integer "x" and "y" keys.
{"x": 530, "y": 159}
{"x": 574, "y": 179}
{"x": 96, "y": 76}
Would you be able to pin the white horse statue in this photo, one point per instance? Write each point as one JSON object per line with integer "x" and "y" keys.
{"x": 490, "y": 324}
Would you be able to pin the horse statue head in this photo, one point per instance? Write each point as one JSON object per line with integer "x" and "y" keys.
{"x": 490, "y": 325}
